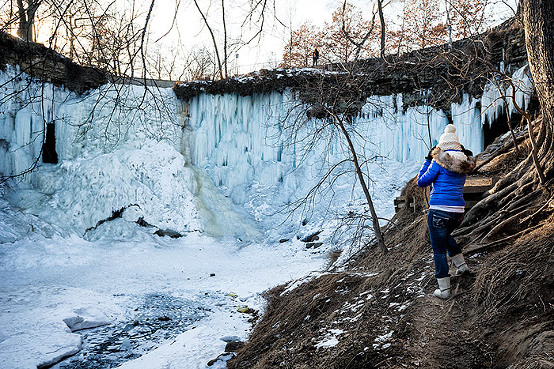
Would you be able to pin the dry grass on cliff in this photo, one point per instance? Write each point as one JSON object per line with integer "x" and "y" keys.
{"x": 380, "y": 311}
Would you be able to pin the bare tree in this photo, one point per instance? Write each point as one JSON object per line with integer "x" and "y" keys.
{"x": 27, "y": 11}
{"x": 327, "y": 111}
{"x": 214, "y": 40}
{"x": 363, "y": 40}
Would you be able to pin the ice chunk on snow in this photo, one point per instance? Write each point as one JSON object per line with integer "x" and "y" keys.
{"x": 38, "y": 349}
{"x": 86, "y": 317}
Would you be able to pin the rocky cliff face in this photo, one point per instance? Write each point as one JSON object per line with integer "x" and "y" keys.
{"x": 41, "y": 62}
{"x": 436, "y": 75}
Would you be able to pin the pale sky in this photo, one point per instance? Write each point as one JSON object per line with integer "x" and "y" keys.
{"x": 189, "y": 29}
{"x": 270, "y": 48}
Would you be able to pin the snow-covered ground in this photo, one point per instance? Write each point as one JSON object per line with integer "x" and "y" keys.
{"x": 47, "y": 280}
{"x": 48, "y": 276}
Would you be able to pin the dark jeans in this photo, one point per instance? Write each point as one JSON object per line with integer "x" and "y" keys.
{"x": 441, "y": 225}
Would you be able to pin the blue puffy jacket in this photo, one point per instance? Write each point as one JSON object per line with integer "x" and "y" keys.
{"x": 446, "y": 174}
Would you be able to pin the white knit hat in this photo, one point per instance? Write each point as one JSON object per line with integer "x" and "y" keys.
{"x": 449, "y": 140}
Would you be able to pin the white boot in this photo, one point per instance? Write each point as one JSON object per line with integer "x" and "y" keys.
{"x": 443, "y": 292}
{"x": 460, "y": 263}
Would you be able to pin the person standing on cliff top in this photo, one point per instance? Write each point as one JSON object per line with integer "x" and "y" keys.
{"x": 315, "y": 56}
{"x": 445, "y": 169}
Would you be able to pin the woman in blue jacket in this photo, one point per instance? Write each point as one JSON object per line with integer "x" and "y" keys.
{"x": 445, "y": 169}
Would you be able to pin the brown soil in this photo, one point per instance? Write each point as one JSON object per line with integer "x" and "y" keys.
{"x": 500, "y": 316}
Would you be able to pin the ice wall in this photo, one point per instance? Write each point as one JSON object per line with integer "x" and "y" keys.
{"x": 241, "y": 140}
{"x": 498, "y": 93}
{"x": 118, "y": 147}
{"x": 169, "y": 162}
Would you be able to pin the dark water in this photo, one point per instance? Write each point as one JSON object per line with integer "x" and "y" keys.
{"x": 159, "y": 318}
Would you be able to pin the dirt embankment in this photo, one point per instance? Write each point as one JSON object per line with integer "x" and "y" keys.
{"x": 378, "y": 312}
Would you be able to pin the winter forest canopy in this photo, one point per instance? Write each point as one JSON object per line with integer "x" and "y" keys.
{"x": 190, "y": 40}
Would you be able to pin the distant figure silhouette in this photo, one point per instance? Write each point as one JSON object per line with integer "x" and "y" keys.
{"x": 315, "y": 56}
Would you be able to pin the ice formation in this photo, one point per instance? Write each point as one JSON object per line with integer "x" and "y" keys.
{"x": 178, "y": 165}
{"x": 119, "y": 147}
{"x": 518, "y": 92}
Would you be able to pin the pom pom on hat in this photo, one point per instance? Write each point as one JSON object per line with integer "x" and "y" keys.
{"x": 449, "y": 140}
{"x": 450, "y": 129}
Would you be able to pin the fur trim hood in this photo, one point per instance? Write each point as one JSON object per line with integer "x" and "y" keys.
{"x": 454, "y": 161}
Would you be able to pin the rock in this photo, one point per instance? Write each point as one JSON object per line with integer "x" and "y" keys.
{"x": 283, "y": 240}
{"x": 223, "y": 358}
{"x": 314, "y": 245}
{"x": 168, "y": 232}
{"x": 244, "y": 309}
{"x": 234, "y": 346}
{"x": 212, "y": 274}
{"x": 164, "y": 318}
{"x": 41, "y": 62}
{"x": 143, "y": 223}
{"x": 311, "y": 237}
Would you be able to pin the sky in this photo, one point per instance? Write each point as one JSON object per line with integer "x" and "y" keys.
{"x": 188, "y": 31}
{"x": 268, "y": 51}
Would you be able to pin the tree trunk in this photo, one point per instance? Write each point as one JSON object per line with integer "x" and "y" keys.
{"x": 360, "y": 174}
{"x": 27, "y": 18}
{"x": 23, "y": 27}
{"x": 538, "y": 18}
{"x": 383, "y": 31}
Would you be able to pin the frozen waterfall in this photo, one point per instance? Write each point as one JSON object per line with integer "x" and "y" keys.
{"x": 181, "y": 165}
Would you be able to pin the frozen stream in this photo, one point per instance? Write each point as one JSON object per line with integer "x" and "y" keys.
{"x": 180, "y": 294}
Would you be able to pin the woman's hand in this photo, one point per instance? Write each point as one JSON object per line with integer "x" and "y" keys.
{"x": 429, "y": 155}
